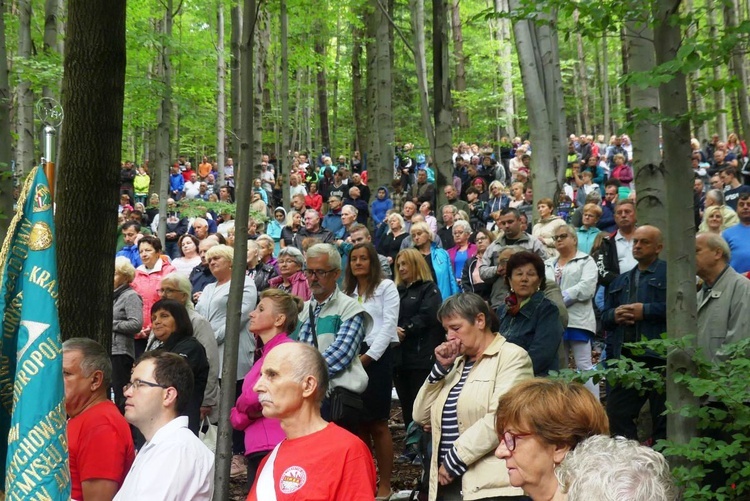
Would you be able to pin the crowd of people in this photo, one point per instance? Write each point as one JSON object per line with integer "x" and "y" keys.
{"x": 464, "y": 308}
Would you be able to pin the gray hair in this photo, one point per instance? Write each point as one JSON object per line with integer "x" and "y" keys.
{"x": 351, "y": 208}
{"x": 309, "y": 362}
{"x": 716, "y": 242}
{"x": 252, "y": 244}
{"x": 124, "y": 267}
{"x": 615, "y": 469}
{"x": 312, "y": 211}
{"x": 182, "y": 284}
{"x": 451, "y": 208}
{"x": 572, "y": 231}
{"x": 400, "y": 218}
{"x": 200, "y": 221}
{"x": 265, "y": 238}
{"x": 93, "y": 358}
{"x": 462, "y": 225}
{"x": 717, "y": 196}
{"x": 293, "y": 253}
{"x": 466, "y": 305}
{"x": 327, "y": 250}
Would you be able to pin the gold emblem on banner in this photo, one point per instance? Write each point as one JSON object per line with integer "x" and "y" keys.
{"x": 41, "y": 237}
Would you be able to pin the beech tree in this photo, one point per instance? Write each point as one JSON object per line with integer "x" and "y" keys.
{"x": 93, "y": 90}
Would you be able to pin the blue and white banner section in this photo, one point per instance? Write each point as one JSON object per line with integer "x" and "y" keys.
{"x": 33, "y": 425}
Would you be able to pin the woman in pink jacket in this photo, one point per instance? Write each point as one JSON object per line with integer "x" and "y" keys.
{"x": 291, "y": 278}
{"x": 147, "y": 283}
{"x": 274, "y": 317}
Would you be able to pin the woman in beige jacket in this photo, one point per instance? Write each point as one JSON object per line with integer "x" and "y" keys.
{"x": 457, "y": 403}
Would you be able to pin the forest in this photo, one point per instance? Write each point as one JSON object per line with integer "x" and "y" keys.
{"x": 320, "y": 68}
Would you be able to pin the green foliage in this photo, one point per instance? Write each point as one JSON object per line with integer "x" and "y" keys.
{"x": 724, "y": 412}
{"x": 198, "y": 208}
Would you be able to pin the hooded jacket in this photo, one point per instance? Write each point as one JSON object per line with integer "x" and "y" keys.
{"x": 380, "y": 207}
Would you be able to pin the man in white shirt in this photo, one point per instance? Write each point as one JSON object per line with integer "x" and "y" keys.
{"x": 173, "y": 465}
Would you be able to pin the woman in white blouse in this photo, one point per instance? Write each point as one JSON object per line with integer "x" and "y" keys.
{"x": 380, "y": 298}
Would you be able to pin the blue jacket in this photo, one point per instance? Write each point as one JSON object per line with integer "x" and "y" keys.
{"x": 652, "y": 292}
{"x": 131, "y": 252}
{"x": 607, "y": 221}
{"x": 332, "y": 221}
{"x": 176, "y": 182}
{"x": 380, "y": 207}
{"x": 537, "y": 329}
{"x": 446, "y": 280}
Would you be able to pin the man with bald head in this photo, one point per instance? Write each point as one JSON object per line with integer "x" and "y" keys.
{"x": 318, "y": 460}
{"x": 636, "y": 308}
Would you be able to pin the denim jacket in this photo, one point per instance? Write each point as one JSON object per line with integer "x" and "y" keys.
{"x": 652, "y": 292}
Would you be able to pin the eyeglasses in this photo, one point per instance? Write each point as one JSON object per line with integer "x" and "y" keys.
{"x": 318, "y": 273}
{"x": 510, "y": 439}
{"x": 166, "y": 290}
{"x": 138, "y": 383}
{"x": 557, "y": 238}
{"x": 286, "y": 261}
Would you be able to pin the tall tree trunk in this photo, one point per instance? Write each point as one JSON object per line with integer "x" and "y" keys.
{"x": 625, "y": 92}
{"x": 285, "y": 138}
{"x": 605, "y": 88}
{"x": 51, "y": 15}
{"x": 420, "y": 61}
{"x": 235, "y": 106}
{"x": 740, "y": 73}
{"x": 262, "y": 42}
{"x": 443, "y": 106}
{"x": 285, "y": 159}
{"x": 720, "y": 98}
{"x": 6, "y": 153}
{"x": 539, "y": 59}
{"x": 458, "y": 54}
{"x": 320, "y": 51}
{"x": 337, "y": 60}
{"x": 506, "y": 67}
{"x": 372, "y": 148}
{"x": 359, "y": 101}
{"x": 296, "y": 143}
{"x": 382, "y": 171}
{"x": 583, "y": 81}
{"x": 681, "y": 298}
{"x": 93, "y": 95}
{"x": 698, "y": 104}
{"x": 25, "y": 156}
{"x": 308, "y": 127}
{"x": 221, "y": 93}
{"x": 164, "y": 118}
{"x": 649, "y": 176}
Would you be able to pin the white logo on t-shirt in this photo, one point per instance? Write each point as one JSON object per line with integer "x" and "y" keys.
{"x": 292, "y": 479}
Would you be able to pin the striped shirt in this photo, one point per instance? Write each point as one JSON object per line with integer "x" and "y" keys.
{"x": 448, "y": 456}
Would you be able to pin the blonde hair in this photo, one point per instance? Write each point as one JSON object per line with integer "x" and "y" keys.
{"x": 125, "y": 268}
{"x": 417, "y": 265}
{"x": 220, "y": 250}
{"x": 423, "y": 227}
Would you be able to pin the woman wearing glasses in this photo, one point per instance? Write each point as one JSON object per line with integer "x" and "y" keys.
{"x": 470, "y": 279}
{"x": 537, "y": 423}
{"x": 472, "y": 370}
{"x": 292, "y": 279}
{"x": 576, "y": 274}
{"x": 171, "y": 325}
{"x": 463, "y": 251}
